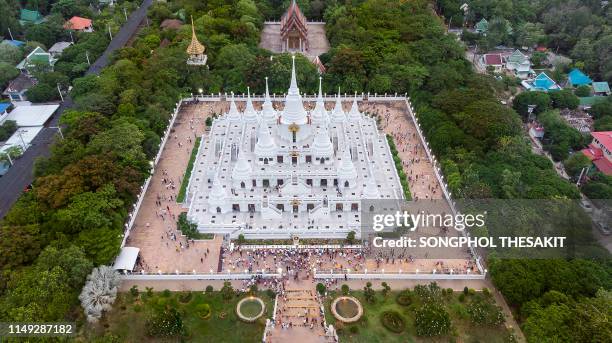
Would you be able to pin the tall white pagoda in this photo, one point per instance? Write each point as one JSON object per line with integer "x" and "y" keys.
{"x": 268, "y": 173}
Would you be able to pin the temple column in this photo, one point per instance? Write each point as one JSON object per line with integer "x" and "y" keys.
{"x": 300, "y": 43}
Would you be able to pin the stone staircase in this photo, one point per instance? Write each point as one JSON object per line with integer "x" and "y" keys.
{"x": 296, "y": 306}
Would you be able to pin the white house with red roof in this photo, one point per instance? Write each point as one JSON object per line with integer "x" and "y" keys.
{"x": 600, "y": 151}
{"x": 79, "y": 24}
{"x": 495, "y": 61}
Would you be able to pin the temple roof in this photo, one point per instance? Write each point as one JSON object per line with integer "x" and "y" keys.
{"x": 195, "y": 47}
{"x": 293, "y": 19}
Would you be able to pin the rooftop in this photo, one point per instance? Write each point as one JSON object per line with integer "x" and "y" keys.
{"x": 578, "y": 78}
{"x": 604, "y": 138}
{"x": 78, "y": 23}
{"x": 19, "y": 84}
{"x": 601, "y": 87}
{"x": 34, "y": 115}
{"x": 493, "y": 59}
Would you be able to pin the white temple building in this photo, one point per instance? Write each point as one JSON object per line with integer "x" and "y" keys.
{"x": 274, "y": 174}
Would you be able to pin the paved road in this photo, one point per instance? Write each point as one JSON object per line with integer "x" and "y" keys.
{"x": 20, "y": 174}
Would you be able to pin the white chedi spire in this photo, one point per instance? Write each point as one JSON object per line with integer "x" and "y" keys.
{"x": 242, "y": 169}
{"x": 250, "y": 115}
{"x": 322, "y": 146}
{"x": 354, "y": 113}
{"x": 370, "y": 190}
{"x": 265, "y": 146}
{"x": 319, "y": 114}
{"x": 294, "y": 112}
{"x": 233, "y": 114}
{"x": 338, "y": 115}
{"x": 217, "y": 197}
{"x": 347, "y": 171}
{"x": 268, "y": 113}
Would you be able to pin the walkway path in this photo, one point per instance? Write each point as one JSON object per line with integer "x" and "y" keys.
{"x": 162, "y": 247}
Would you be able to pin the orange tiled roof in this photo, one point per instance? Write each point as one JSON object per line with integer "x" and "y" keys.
{"x": 77, "y": 23}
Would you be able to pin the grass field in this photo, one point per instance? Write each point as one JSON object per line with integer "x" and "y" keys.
{"x": 126, "y": 322}
{"x": 370, "y": 329}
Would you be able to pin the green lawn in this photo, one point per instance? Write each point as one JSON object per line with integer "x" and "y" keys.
{"x": 183, "y": 190}
{"x": 370, "y": 329}
{"x": 126, "y": 322}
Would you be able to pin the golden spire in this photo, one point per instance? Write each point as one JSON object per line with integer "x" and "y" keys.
{"x": 195, "y": 47}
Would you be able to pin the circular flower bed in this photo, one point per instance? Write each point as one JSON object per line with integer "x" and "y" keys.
{"x": 250, "y": 308}
{"x": 347, "y": 309}
{"x": 393, "y": 321}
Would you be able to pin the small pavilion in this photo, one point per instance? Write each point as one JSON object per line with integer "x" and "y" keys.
{"x": 195, "y": 50}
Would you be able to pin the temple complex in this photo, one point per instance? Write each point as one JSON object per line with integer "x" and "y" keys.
{"x": 268, "y": 173}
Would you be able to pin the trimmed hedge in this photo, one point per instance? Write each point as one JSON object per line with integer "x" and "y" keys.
{"x": 183, "y": 190}
{"x": 400, "y": 168}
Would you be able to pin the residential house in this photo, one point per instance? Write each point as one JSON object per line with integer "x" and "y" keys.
{"x": 577, "y": 78}
{"x": 3, "y": 109}
{"x": 494, "y": 61}
{"x": 542, "y": 83}
{"x": 37, "y": 60}
{"x": 601, "y": 88}
{"x": 600, "y": 151}
{"x": 482, "y": 26}
{"x": 16, "y": 89}
{"x": 519, "y": 64}
{"x": 27, "y": 17}
{"x": 57, "y": 48}
{"x": 79, "y": 24}
{"x": 13, "y": 42}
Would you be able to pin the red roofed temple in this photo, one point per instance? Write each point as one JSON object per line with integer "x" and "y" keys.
{"x": 294, "y": 30}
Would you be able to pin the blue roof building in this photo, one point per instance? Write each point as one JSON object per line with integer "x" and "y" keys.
{"x": 3, "y": 107}
{"x": 542, "y": 83}
{"x": 577, "y": 78}
{"x": 14, "y": 42}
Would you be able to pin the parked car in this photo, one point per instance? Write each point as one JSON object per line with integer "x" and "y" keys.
{"x": 586, "y": 206}
{"x": 603, "y": 228}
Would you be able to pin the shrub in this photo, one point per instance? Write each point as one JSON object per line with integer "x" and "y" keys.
{"x": 466, "y": 290}
{"x": 345, "y": 289}
{"x": 321, "y": 288}
{"x": 227, "y": 290}
{"x": 369, "y": 293}
{"x": 386, "y": 289}
{"x": 462, "y": 297}
{"x": 166, "y": 293}
{"x": 483, "y": 312}
{"x": 354, "y": 329}
{"x": 393, "y": 321}
{"x": 432, "y": 320}
{"x": 134, "y": 291}
{"x": 270, "y": 293}
{"x": 486, "y": 292}
{"x": 583, "y": 91}
{"x": 203, "y": 311}
{"x": 209, "y": 289}
{"x": 149, "y": 291}
{"x": 185, "y": 297}
{"x": 404, "y": 298}
{"x": 209, "y": 121}
{"x": 165, "y": 323}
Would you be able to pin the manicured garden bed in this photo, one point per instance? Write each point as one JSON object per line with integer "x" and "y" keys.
{"x": 183, "y": 190}
{"x": 387, "y": 321}
{"x": 129, "y": 320}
